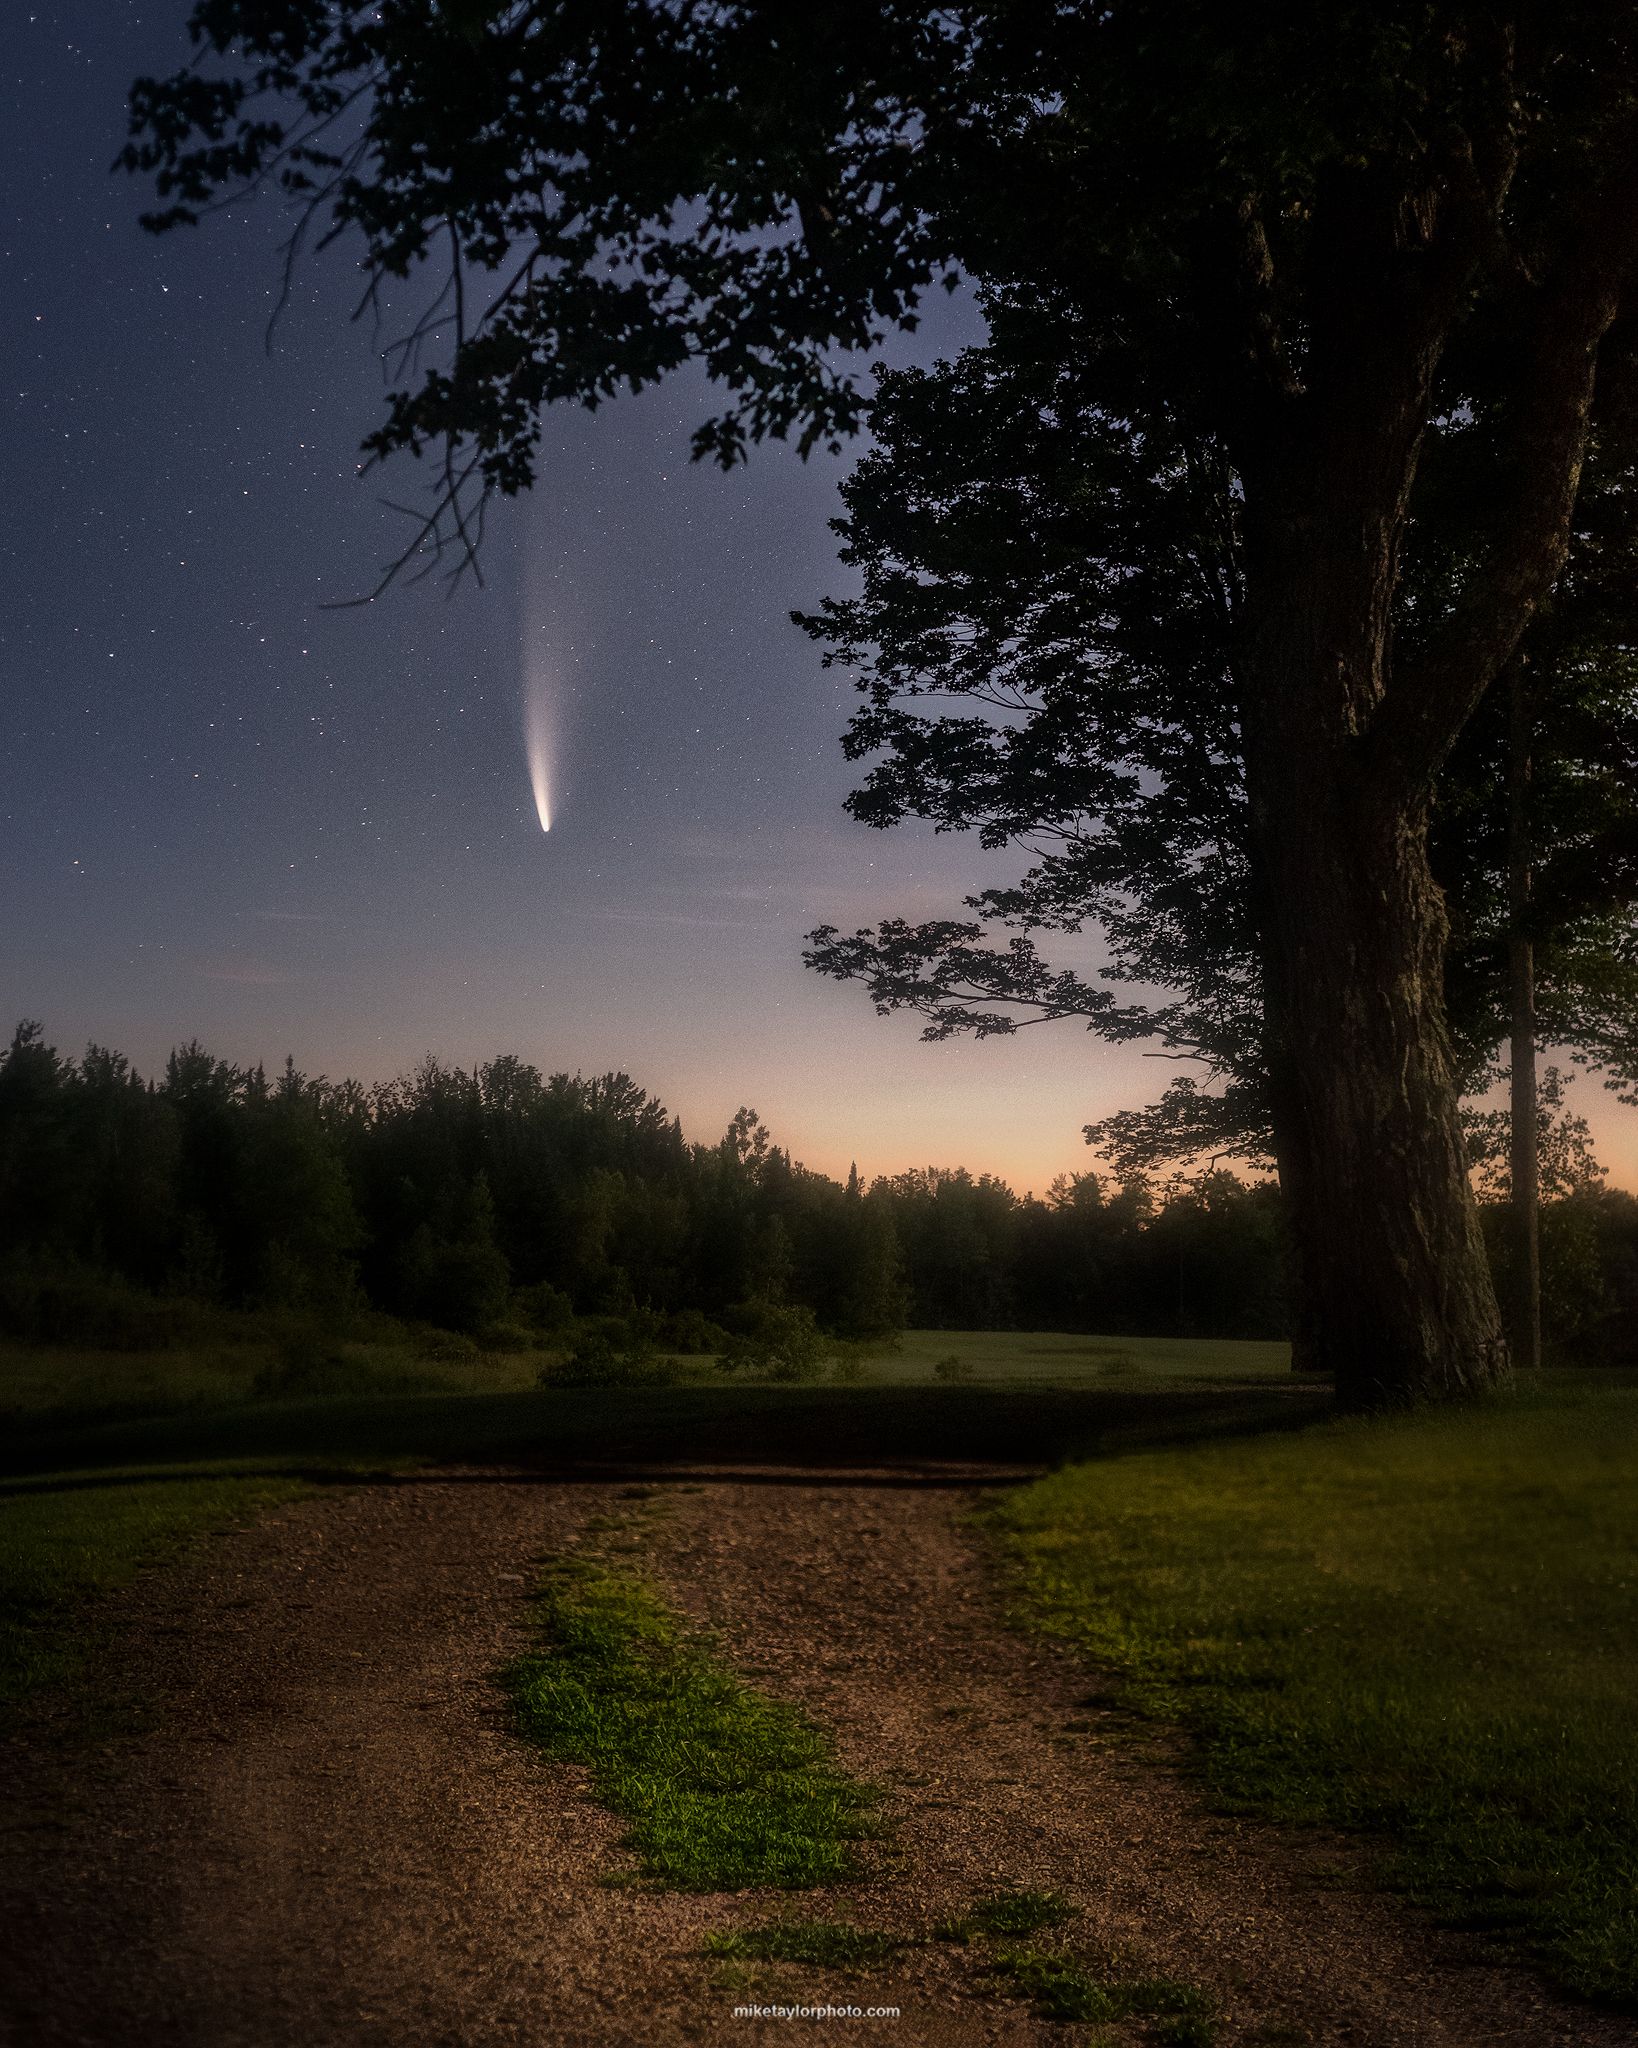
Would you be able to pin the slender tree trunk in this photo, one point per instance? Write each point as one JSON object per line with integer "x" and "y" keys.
{"x": 1524, "y": 1333}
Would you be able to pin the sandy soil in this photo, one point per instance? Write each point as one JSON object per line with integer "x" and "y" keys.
{"x": 333, "y": 1837}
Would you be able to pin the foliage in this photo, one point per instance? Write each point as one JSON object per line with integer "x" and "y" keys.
{"x": 1051, "y": 584}
{"x": 1420, "y": 1628}
{"x": 1589, "y": 1273}
{"x": 1566, "y": 1165}
{"x": 773, "y": 1341}
{"x": 508, "y": 1211}
{"x": 1324, "y": 344}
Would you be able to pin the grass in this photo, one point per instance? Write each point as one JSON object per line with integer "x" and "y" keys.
{"x": 1101, "y": 1988}
{"x": 62, "y": 1549}
{"x": 118, "y": 1462}
{"x": 1010, "y": 1914}
{"x": 1105, "y": 1987}
{"x": 255, "y": 1360}
{"x": 724, "y": 1788}
{"x": 826, "y": 1944}
{"x": 1426, "y": 1627}
{"x": 1024, "y": 1358}
{"x": 1063, "y": 1987}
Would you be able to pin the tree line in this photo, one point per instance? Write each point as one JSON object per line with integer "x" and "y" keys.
{"x": 503, "y": 1203}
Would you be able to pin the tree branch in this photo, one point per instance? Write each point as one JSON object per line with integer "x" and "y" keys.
{"x": 1430, "y": 700}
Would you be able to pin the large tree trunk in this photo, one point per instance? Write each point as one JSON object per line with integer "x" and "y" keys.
{"x": 1396, "y": 1292}
{"x": 1341, "y": 751}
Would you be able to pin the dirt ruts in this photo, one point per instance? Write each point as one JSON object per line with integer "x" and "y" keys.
{"x": 333, "y": 1837}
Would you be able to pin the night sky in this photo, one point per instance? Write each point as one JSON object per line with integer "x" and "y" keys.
{"x": 230, "y": 813}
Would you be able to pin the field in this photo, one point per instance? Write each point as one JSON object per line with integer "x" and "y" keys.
{"x": 1419, "y": 1630}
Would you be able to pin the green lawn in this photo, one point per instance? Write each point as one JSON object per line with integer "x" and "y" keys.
{"x": 116, "y": 1461}
{"x": 68, "y": 1538}
{"x": 1425, "y": 1627}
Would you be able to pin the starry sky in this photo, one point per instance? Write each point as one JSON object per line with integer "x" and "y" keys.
{"x": 229, "y": 813}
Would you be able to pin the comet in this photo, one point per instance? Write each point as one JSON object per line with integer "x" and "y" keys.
{"x": 547, "y": 663}
{"x": 537, "y": 746}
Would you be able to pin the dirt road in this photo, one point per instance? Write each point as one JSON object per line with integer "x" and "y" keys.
{"x": 333, "y": 1837}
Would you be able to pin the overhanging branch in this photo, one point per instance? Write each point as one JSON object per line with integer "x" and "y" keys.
{"x": 1430, "y": 700}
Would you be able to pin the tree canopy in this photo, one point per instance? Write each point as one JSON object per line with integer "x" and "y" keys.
{"x": 1044, "y": 639}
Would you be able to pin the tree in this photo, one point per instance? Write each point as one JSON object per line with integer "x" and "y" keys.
{"x": 1044, "y": 637}
{"x": 1338, "y": 242}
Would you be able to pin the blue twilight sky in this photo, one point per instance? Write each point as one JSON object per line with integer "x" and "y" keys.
{"x": 226, "y": 812}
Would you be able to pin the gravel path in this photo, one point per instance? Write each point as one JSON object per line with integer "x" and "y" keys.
{"x": 333, "y": 1838}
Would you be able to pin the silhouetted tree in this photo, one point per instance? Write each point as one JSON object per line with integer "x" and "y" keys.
{"x": 1334, "y": 241}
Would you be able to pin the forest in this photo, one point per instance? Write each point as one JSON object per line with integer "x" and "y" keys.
{"x": 513, "y": 1207}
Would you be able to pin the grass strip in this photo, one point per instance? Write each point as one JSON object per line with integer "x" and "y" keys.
{"x": 1063, "y": 1987}
{"x": 1009, "y": 1914}
{"x": 1425, "y": 1626}
{"x": 827, "y": 1944}
{"x": 724, "y": 1788}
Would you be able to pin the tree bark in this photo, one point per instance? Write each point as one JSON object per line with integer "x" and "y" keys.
{"x": 1397, "y": 1287}
{"x": 1524, "y": 1333}
{"x": 1397, "y": 1293}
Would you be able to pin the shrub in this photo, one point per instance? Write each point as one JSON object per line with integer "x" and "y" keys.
{"x": 505, "y": 1337}
{"x": 543, "y": 1307}
{"x": 309, "y": 1365}
{"x": 770, "y": 1339}
{"x": 83, "y": 1309}
{"x": 693, "y": 1335}
{"x": 445, "y": 1347}
{"x": 953, "y": 1368}
{"x": 606, "y": 1352}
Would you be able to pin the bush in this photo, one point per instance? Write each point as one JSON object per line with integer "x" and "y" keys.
{"x": 622, "y": 1351}
{"x": 86, "y": 1310}
{"x": 602, "y": 1353}
{"x": 774, "y": 1341}
{"x": 594, "y": 1361}
{"x": 505, "y": 1337}
{"x": 445, "y": 1347}
{"x": 952, "y": 1368}
{"x": 309, "y": 1365}
{"x": 543, "y": 1307}
{"x": 693, "y": 1335}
